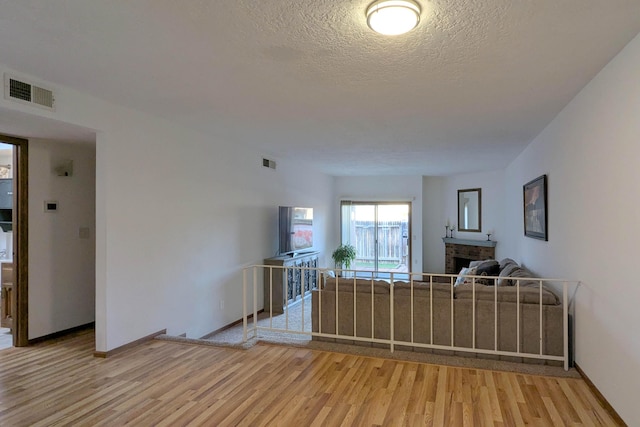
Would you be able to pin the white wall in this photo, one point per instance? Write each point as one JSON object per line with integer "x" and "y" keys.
{"x": 441, "y": 204}
{"x": 433, "y": 222}
{"x": 590, "y": 153}
{"x": 379, "y": 189}
{"x": 61, "y": 263}
{"x": 178, "y": 214}
{"x": 184, "y": 214}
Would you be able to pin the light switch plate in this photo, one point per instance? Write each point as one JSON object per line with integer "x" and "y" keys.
{"x": 50, "y": 206}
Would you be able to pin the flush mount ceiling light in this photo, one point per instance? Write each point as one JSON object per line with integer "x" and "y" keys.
{"x": 393, "y": 17}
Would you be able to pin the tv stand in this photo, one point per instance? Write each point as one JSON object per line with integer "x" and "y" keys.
{"x": 288, "y": 274}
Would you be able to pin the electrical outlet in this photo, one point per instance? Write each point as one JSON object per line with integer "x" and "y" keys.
{"x": 221, "y": 303}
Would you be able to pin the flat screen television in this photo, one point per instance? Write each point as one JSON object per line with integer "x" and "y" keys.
{"x": 295, "y": 229}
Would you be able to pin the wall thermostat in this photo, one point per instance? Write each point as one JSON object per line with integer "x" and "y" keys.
{"x": 50, "y": 206}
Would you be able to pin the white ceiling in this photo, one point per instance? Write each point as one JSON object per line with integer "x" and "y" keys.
{"x": 308, "y": 80}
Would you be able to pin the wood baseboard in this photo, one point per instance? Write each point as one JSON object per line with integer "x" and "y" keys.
{"x": 229, "y": 326}
{"x": 600, "y": 397}
{"x": 62, "y": 334}
{"x": 105, "y": 354}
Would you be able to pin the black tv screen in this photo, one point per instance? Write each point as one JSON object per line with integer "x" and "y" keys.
{"x": 296, "y": 229}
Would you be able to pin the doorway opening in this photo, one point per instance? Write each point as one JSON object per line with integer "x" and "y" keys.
{"x": 380, "y": 232}
{"x": 6, "y": 245}
{"x": 13, "y": 242}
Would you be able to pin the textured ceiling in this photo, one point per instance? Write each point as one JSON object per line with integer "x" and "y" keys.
{"x": 307, "y": 79}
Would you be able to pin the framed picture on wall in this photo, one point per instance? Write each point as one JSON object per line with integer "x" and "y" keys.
{"x": 535, "y": 208}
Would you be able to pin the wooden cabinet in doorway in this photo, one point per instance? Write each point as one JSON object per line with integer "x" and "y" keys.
{"x": 7, "y": 293}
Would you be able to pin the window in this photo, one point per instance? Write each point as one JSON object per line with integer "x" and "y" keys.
{"x": 380, "y": 233}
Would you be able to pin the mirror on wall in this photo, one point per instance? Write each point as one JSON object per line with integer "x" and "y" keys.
{"x": 469, "y": 210}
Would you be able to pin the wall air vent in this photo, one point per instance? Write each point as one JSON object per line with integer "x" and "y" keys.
{"x": 27, "y": 93}
{"x": 268, "y": 163}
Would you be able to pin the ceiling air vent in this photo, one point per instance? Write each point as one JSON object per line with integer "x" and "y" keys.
{"x": 27, "y": 93}
{"x": 268, "y": 163}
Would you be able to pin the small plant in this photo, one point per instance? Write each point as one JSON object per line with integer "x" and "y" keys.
{"x": 344, "y": 255}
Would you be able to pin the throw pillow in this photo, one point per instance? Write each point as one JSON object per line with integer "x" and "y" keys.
{"x": 491, "y": 267}
{"x": 523, "y": 272}
{"x": 481, "y": 262}
{"x": 483, "y": 280}
{"x": 505, "y": 273}
{"x": 505, "y": 262}
{"x": 466, "y": 271}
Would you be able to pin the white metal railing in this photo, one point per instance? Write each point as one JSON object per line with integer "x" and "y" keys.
{"x": 322, "y": 277}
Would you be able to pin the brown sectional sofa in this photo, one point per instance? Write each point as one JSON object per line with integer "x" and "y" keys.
{"x": 485, "y": 296}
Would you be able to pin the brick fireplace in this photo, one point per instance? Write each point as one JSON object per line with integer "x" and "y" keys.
{"x": 460, "y": 252}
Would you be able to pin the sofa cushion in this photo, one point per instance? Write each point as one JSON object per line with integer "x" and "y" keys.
{"x": 421, "y": 289}
{"x": 362, "y": 285}
{"x": 528, "y": 295}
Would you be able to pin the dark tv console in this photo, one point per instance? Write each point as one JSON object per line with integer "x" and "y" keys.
{"x": 291, "y": 272}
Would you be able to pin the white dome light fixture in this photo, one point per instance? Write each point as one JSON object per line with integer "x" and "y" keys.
{"x": 393, "y": 17}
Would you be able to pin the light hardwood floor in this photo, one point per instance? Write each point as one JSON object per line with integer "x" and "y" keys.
{"x": 163, "y": 383}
